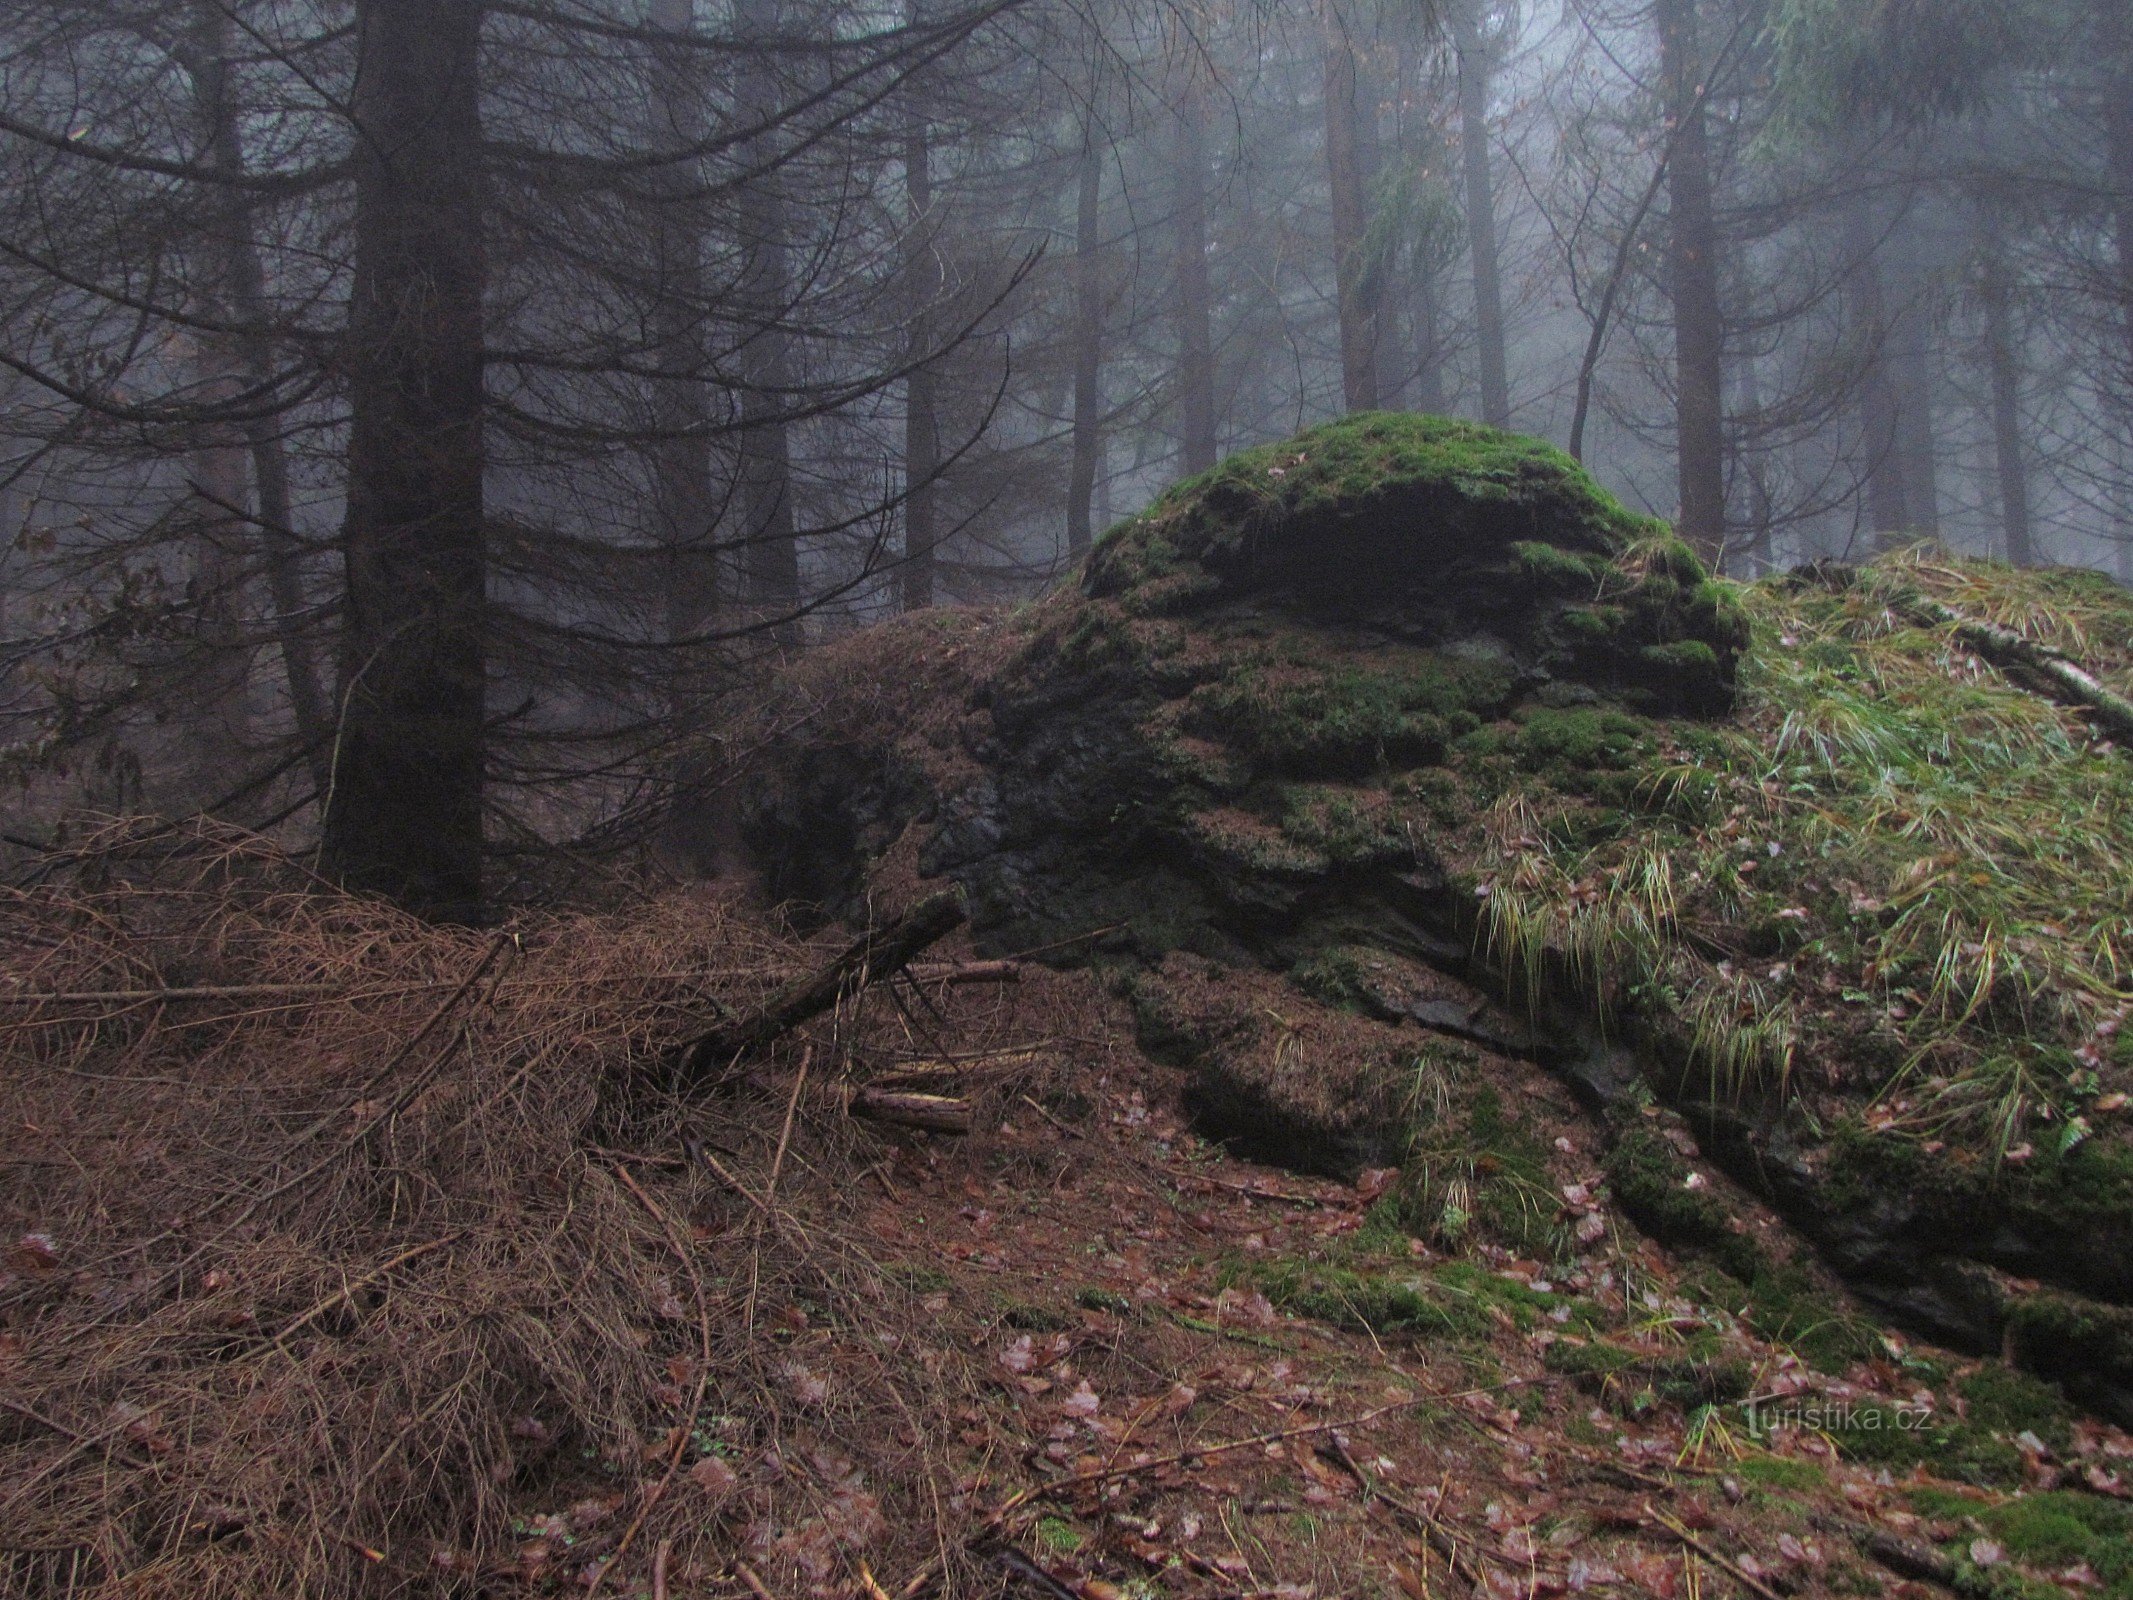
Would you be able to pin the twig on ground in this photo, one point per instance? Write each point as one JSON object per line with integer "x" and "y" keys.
{"x": 1731, "y": 1569}
{"x": 367, "y": 1279}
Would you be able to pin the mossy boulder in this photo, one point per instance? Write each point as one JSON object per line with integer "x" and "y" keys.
{"x": 1404, "y": 694}
{"x": 1444, "y": 534}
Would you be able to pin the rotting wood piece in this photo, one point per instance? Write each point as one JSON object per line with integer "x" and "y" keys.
{"x": 934, "y": 1113}
{"x": 868, "y": 959}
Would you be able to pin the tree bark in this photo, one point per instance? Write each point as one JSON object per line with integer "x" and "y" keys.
{"x": 1887, "y": 509}
{"x": 1347, "y": 151}
{"x": 1088, "y": 341}
{"x": 770, "y": 550}
{"x": 1692, "y": 263}
{"x": 241, "y": 281}
{"x": 1196, "y": 341}
{"x": 2115, "y": 27}
{"x": 2003, "y": 355}
{"x": 404, "y": 817}
{"x": 1911, "y": 369}
{"x": 922, "y": 436}
{"x": 684, "y": 502}
{"x": 1474, "y": 73}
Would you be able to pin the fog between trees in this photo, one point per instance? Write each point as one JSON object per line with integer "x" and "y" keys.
{"x": 422, "y": 418}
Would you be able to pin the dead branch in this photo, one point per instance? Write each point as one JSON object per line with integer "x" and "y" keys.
{"x": 954, "y": 973}
{"x": 934, "y": 1113}
{"x": 1731, "y": 1569}
{"x": 866, "y": 960}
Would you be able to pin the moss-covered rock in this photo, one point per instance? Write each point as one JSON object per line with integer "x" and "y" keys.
{"x": 1404, "y": 693}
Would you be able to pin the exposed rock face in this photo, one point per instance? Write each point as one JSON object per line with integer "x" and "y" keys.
{"x": 1305, "y": 717}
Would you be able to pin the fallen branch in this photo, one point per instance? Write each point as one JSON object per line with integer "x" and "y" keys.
{"x": 934, "y": 1113}
{"x": 2060, "y": 678}
{"x": 961, "y": 972}
{"x": 1441, "y": 1539}
{"x": 866, "y": 960}
{"x": 1731, "y": 1569}
{"x": 2065, "y": 679}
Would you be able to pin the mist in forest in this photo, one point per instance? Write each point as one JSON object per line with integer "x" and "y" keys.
{"x": 423, "y": 421}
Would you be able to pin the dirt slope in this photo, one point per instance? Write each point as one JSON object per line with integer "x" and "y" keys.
{"x": 390, "y": 1282}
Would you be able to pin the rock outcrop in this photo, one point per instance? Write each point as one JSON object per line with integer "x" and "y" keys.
{"x": 1408, "y": 718}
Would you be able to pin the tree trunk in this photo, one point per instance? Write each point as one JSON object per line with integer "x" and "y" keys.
{"x": 684, "y": 502}
{"x": 241, "y": 279}
{"x": 2003, "y": 354}
{"x": 1911, "y": 369}
{"x": 2115, "y": 26}
{"x": 1474, "y": 72}
{"x": 1088, "y": 341}
{"x": 405, "y": 814}
{"x": 1196, "y": 341}
{"x": 770, "y": 551}
{"x": 1347, "y": 146}
{"x": 1692, "y": 268}
{"x": 922, "y": 436}
{"x": 1868, "y": 313}
{"x": 220, "y": 688}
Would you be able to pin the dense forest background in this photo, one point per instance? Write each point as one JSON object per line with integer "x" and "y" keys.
{"x": 420, "y": 420}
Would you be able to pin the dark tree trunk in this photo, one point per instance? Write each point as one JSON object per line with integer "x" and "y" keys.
{"x": 404, "y": 817}
{"x": 1088, "y": 342}
{"x": 1196, "y": 341}
{"x": 1474, "y": 72}
{"x": 1692, "y": 271}
{"x": 1756, "y": 474}
{"x": 1911, "y": 369}
{"x": 2115, "y": 25}
{"x": 684, "y": 502}
{"x": 220, "y": 688}
{"x": 922, "y": 435}
{"x": 241, "y": 280}
{"x": 1347, "y": 170}
{"x": 1887, "y": 509}
{"x": 770, "y": 551}
{"x": 2003, "y": 355}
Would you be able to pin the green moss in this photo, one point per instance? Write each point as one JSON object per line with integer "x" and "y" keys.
{"x": 1555, "y": 567}
{"x": 1631, "y": 1382}
{"x": 1465, "y": 485}
{"x": 1964, "y": 1452}
{"x": 1649, "y": 1181}
{"x": 2007, "y": 1401}
{"x": 1477, "y": 1168}
{"x": 1337, "y": 976}
{"x": 1346, "y": 719}
{"x": 1566, "y": 743}
{"x": 1059, "y": 1536}
{"x": 1344, "y": 827}
{"x": 1094, "y": 1298}
{"x": 2059, "y": 1528}
{"x": 1371, "y": 1303}
{"x": 1781, "y": 1472}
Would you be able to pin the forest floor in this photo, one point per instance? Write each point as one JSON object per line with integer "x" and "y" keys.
{"x": 369, "y": 1258}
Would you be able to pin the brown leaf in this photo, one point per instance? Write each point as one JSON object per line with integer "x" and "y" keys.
{"x": 714, "y": 1477}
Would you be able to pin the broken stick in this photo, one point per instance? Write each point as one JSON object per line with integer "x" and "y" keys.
{"x": 868, "y": 959}
{"x": 935, "y": 1113}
